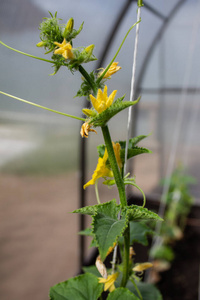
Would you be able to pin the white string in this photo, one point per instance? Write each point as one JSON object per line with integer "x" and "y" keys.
{"x": 132, "y": 91}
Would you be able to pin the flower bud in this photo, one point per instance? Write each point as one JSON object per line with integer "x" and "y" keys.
{"x": 40, "y": 44}
{"x": 70, "y": 25}
{"x": 89, "y": 49}
{"x": 89, "y": 112}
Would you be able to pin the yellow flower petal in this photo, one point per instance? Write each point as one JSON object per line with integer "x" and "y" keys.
{"x": 109, "y": 281}
{"x": 65, "y": 49}
{"x": 85, "y": 128}
{"x": 102, "y": 101}
{"x": 117, "y": 149}
{"x": 142, "y": 267}
{"x": 101, "y": 170}
{"x": 112, "y": 70}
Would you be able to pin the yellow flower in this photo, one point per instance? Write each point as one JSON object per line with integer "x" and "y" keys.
{"x": 101, "y": 170}
{"x": 85, "y": 128}
{"x": 109, "y": 282}
{"x": 112, "y": 70}
{"x": 65, "y": 49}
{"x": 117, "y": 148}
{"x": 102, "y": 101}
{"x": 142, "y": 267}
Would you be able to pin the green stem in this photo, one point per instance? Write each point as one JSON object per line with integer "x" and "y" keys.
{"x": 137, "y": 290}
{"x": 97, "y": 192}
{"x": 135, "y": 185}
{"x": 118, "y": 179}
{"x": 88, "y": 78}
{"x": 106, "y": 69}
{"x": 122, "y": 195}
{"x": 33, "y": 56}
{"x": 125, "y": 275}
{"x": 43, "y": 107}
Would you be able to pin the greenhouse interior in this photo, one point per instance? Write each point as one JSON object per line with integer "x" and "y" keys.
{"x": 46, "y": 165}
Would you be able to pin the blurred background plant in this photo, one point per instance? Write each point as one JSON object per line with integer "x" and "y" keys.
{"x": 178, "y": 205}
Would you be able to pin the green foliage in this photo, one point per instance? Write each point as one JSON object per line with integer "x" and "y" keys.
{"x": 93, "y": 209}
{"x": 122, "y": 294}
{"x": 80, "y": 288}
{"x": 139, "y": 232}
{"x": 147, "y": 290}
{"x": 163, "y": 252}
{"x": 133, "y": 150}
{"x": 50, "y": 32}
{"x": 102, "y": 118}
{"x": 138, "y": 213}
{"x": 179, "y": 201}
{"x": 107, "y": 228}
{"x": 85, "y": 89}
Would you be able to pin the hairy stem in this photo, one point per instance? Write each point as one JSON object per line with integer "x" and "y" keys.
{"x": 88, "y": 78}
{"x": 118, "y": 179}
{"x": 126, "y": 257}
{"x": 122, "y": 195}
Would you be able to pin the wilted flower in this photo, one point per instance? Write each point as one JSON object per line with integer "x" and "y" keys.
{"x": 112, "y": 70}
{"x": 85, "y": 128}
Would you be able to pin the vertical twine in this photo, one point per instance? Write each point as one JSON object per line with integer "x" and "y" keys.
{"x": 132, "y": 91}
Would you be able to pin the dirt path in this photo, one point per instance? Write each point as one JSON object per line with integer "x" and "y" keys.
{"x": 36, "y": 249}
{"x": 38, "y": 235}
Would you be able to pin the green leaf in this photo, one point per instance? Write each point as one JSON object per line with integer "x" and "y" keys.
{"x": 83, "y": 287}
{"x": 91, "y": 210}
{"x": 102, "y": 118}
{"x": 147, "y": 290}
{"x": 122, "y": 294}
{"x": 101, "y": 150}
{"x": 92, "y": 270}
{"x": 86, "y": 231}
{"x": 133, "y": 152}
{"x": 106, "y": 226}
{"x": 139, "y": 232}
{"x": 133, "y": 141}
{"x": 136, "y": 213}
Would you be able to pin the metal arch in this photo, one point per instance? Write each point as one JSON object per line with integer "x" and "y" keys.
{"x": 110, "y": 38}
{"x": 156, "y": 40}
{"x": 146, "y": 60}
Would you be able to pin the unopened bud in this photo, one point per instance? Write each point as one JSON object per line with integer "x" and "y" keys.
{"x": 89, "y": 112}
{"x": 70, "y": 25}
{"x": 40, "y": 44}
{"x": 89, "y": 49}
